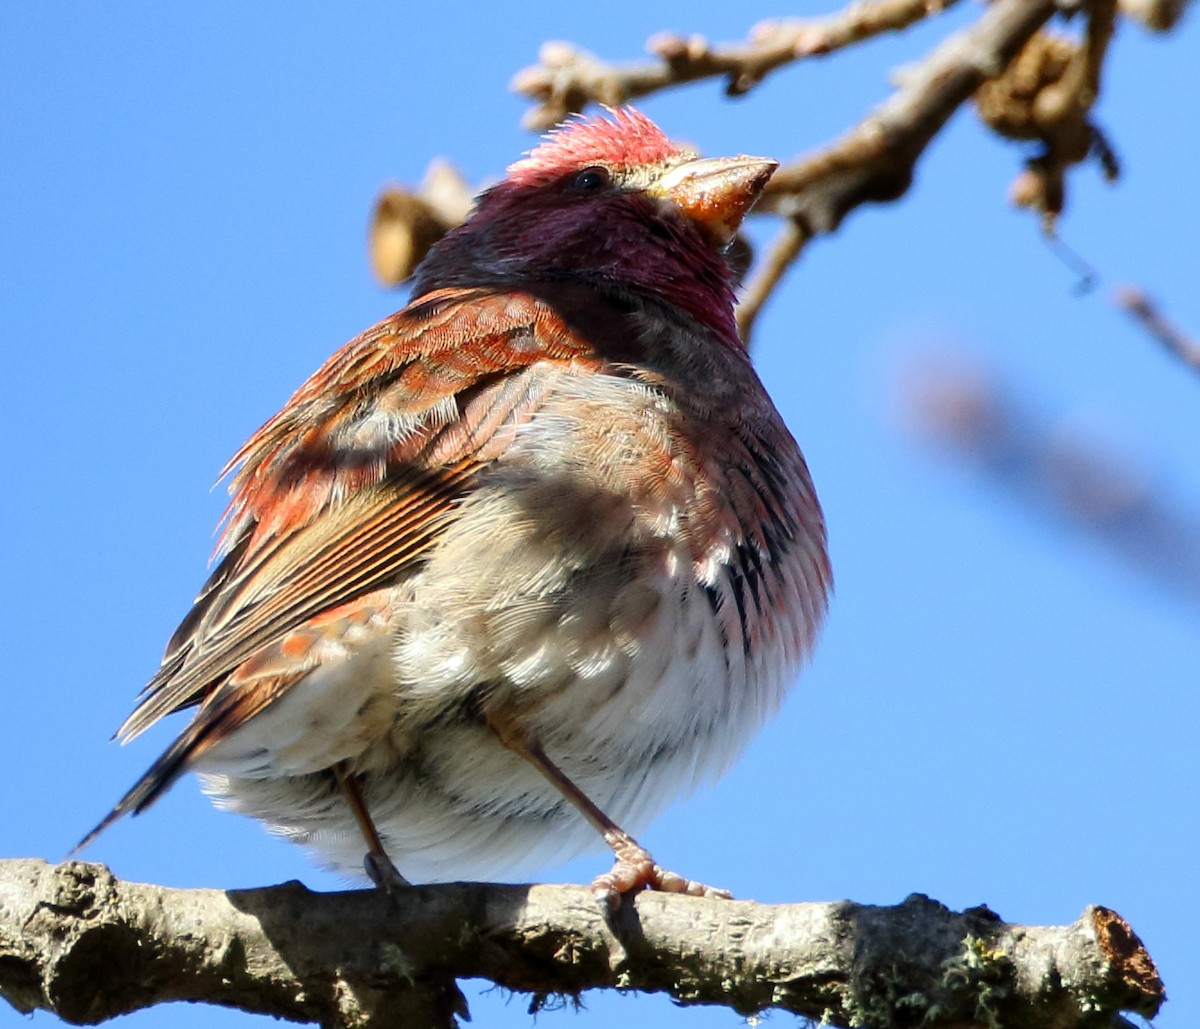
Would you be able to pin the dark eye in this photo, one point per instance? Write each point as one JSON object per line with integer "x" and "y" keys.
{"x": 591, "y": 180}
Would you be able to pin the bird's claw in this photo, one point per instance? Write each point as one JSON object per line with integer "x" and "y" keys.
{"x": 635, "y": 869}
{"x": 385, "y": 875}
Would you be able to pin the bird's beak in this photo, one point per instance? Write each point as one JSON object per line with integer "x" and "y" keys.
{"x": 715, "y": 192}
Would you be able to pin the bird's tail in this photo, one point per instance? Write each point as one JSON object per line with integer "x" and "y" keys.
{"x": 159, "y": 777}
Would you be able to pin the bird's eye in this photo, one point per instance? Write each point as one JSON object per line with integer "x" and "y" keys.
{"x": 591, "y": 180}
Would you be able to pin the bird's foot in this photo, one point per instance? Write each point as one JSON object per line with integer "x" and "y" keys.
{"x": 385, "y": 875}
{"x": 635, "y": 869}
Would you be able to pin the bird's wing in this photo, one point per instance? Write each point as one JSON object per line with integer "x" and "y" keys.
{"x": 340, "y": 495}
{"x": 345, "y": 490}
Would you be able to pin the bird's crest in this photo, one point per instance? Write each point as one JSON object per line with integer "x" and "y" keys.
{"x": 626, "y": 137}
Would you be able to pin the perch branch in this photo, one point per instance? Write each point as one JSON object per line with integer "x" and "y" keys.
{"x": 76, "y": 941}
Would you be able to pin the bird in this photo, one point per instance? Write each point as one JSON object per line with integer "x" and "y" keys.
{"x": 524, "y": 561}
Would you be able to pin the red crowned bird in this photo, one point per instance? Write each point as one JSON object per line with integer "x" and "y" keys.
{"x": 523, "y": 561}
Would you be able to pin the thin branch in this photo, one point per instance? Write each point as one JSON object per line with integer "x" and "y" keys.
{"x": 568, "y": 78}
{"x": 874, "y": 161}
{"x": 1143, "y": 310}
{"x": 1028, "y": 84}
{"x": 785, "y": 248}
{"x": 76, "y": 941}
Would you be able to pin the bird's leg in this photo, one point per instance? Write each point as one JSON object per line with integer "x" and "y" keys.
{"x": 634, "y": 867}
{"x": 376, "y": 863}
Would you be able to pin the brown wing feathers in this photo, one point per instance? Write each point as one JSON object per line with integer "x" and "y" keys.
{"x": 328, "y": 507}
{"x": 356, "y": 548}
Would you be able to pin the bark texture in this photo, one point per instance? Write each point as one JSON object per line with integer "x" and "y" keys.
{"x": 76, "y": 941}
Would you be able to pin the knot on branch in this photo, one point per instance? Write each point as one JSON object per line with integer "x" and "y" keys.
{"x": 1127, "y": 954}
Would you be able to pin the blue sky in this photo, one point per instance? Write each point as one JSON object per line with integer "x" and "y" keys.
{"x": 1000, "y": 711}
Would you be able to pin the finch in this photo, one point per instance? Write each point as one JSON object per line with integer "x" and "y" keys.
{"x": 522, "y": 562}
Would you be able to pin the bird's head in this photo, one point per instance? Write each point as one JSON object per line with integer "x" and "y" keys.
{"x": 611, "y": 202}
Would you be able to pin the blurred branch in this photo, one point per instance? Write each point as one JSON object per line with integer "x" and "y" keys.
{"x": 1143, "y": 310}
{"x": 78, "y": 942}
{"x": 965, "y": 409}
{"x": 406, "y": 223}
{"x": 568, "y": 78}
{"x": 1158, "y": 15}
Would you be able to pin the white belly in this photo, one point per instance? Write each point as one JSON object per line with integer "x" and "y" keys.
{"x": 640, "y": 723}
{"x": 568, "y": 596}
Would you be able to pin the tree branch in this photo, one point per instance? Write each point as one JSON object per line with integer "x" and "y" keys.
{"x": 568, "y": 78}
{"x": 1158, "y": 15}
{"x": 76, "y": 941}
{"x": 768, "y": 273}
{"x": 874, "y": 161}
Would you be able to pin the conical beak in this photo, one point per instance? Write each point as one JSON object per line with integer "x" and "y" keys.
{"x": 715, "y": 192}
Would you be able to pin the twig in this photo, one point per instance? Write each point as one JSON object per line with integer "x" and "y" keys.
{"x": 568, "y": 78}
{"x": 1047, "y": 98}
{"x": 874, "y": 161}
{"x": 76, "y": 941}
{"x": 785, "y": 248}
{"x": 1143, "y": 310}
